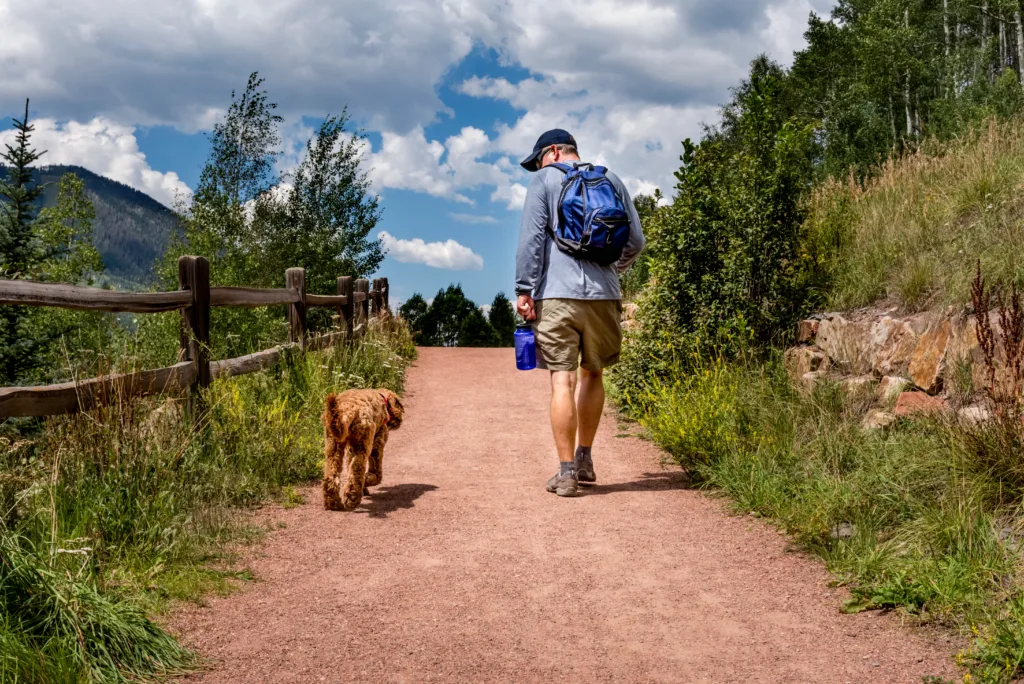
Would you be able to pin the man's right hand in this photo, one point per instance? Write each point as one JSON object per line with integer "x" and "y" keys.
{"x": 525, "y": 307}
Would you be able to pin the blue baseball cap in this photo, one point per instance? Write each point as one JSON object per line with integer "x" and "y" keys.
{"x": 553, "y": 137}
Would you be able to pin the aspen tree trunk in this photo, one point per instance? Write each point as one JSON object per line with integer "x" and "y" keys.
{"x": 945, "y": 25}
{"x": 1020, "y": 45}
{"x": 892, "y": 119}
{"x": 1002, "y": 45}
{"x": 917, "y": 116}
{"x": 984, "y": 39}
{"x": 906, "y": 82}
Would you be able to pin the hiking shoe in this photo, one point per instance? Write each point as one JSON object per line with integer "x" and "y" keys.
{"x": 564, "y": 485}
{"x": 584, "y": 466}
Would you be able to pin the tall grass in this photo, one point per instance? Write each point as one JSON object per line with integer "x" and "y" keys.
{"x": 108, "y": 515}
{"x": 923, "y": 517}
{"x": 912, "y": 234}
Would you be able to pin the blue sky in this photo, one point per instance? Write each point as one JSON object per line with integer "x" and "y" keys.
{"x": 450, "y": 94}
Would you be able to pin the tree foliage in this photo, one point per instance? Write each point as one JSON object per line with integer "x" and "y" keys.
{"x": 502, "y": 320}
{"x": 724, "y": 255}
{"x": 53, "y": 245}
{"x": 452, "y": 320}
{"x": 253, "y": 225}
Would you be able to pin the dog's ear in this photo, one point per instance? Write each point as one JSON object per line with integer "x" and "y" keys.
{"x": 395, "y": 405}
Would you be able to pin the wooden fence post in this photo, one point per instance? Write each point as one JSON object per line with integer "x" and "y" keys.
{"x": 345, "y": 311}
{"x": 385, "y": 293}
{"x": 363, "y": 307}
{"x": 194, "y": 275}
{"x": 375, "y": 298}
{"x": 296, "y": 278}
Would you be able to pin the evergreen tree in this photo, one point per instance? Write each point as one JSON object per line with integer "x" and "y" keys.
{"x": 52, "y": 245}
{"x": 502, "y": 320}
{"x": 18, "y": 203}
{"x": 475, "y": 331}
{"x": 413, "y": 310}
{"x": 18, "y": 194}
{"x": 443, "y": 321}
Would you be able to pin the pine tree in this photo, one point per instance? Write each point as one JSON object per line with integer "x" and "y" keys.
{"x": 502, "y": 320}
{"x": 52, "y": 245}
{"x": 475, "y": 331}
{"x": 18, "y": 196}
{"x": 19, "y": 352}
{"x": 413, "y": 310}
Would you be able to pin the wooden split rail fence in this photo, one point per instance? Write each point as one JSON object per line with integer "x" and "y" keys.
{"x": 355, "y": 303}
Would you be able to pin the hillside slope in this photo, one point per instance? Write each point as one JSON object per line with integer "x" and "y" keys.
{"x": 131, "y": 228}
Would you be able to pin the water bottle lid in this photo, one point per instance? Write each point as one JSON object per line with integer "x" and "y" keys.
{"x": 525, "y": 326}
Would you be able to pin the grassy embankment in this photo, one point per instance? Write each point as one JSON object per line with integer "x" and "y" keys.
{"x": 108, "y": 517}
{"x": 924, "y": 517}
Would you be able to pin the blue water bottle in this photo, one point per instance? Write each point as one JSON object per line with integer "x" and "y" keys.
{"x": 526, "y": 348}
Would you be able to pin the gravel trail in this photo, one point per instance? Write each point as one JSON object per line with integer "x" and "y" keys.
{"x": 460, "y": 567}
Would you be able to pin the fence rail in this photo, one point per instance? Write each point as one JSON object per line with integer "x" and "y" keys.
{"x": 355, "y": 303}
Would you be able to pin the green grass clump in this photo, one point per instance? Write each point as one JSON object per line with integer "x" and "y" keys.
{"x": 922, "y": 517}
{"x": 912, "y": 234}
{"x": 109, "y": 516}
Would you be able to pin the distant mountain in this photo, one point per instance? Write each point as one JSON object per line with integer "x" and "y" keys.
{"x": 131, "y": 228}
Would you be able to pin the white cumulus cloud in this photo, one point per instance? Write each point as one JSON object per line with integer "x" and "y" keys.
{"x": 448, "y": 255}
{"x": 629, "y": 78}
{"x": 105, "y": 148}
{"x": 471, "y": 218}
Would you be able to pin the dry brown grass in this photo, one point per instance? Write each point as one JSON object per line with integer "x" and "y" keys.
{"x": 912, "y": 234}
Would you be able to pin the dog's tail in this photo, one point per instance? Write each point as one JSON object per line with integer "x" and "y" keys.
{"x": 333, "y": 419}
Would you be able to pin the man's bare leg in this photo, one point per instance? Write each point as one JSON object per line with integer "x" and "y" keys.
{"x": 590, "y": 405}
{"x": 563, "y": 413}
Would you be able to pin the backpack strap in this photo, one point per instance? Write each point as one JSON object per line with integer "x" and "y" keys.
{"x": 564, "y": 168}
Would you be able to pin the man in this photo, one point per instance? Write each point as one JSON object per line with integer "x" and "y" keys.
{"x": 575, "y": 307}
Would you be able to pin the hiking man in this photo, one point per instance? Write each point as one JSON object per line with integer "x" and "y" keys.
{"x": 579, "y": 231}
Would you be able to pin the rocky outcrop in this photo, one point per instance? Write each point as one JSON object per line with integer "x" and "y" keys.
{"x": 927, "y": 362}
{"x": 890, "y": 387}
{"x": 802, "y": 360}
{"x": 919, "y": 363}
{"x": 919, "y": 403}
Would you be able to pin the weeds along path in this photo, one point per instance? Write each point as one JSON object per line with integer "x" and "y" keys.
{"x": 461, "y": 567}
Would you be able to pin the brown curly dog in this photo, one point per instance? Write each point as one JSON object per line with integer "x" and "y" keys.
{"x": 356, "y": 428}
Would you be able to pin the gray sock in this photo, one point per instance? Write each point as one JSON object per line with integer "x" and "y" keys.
{"x": 583, "y": 454}
{"x": 565, "y": 467}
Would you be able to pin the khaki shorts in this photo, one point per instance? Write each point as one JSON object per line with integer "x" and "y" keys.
{"x": 568, "y": 329}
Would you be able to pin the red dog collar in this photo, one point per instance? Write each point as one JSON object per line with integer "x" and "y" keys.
{"x": 387, "y": 407}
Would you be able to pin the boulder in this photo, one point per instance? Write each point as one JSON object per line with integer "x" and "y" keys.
{"x": 809, "y": 380}
{"x": 802, "y": 360}
{"x": 877, "y": 420}
{"x": 890, "y": 387}
{"x": 891, "y": 343}
{"x": 918, "y": 403}
{"x": 928, "y": 362}
{"x": 806, "y": 330}
{"x": 972, "y": 415}
{"x": 629, "y": 321}
{"x": 857, "y": 385}
{"x": 873, "y": 345}
{"x": 840, "y": 339}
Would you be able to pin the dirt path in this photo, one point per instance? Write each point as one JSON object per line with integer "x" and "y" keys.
{"x": 461, "y": 567}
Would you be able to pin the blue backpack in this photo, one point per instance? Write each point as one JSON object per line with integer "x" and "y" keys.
{"x": 592, "y": 221}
